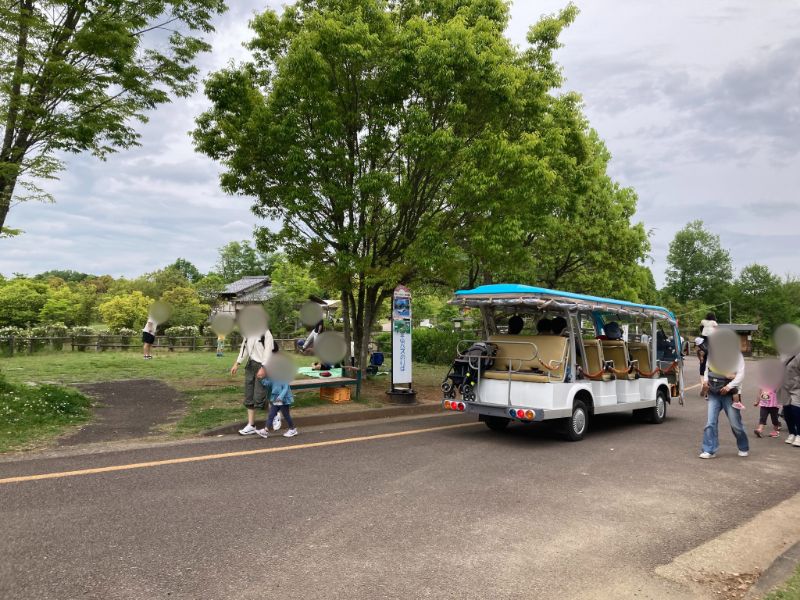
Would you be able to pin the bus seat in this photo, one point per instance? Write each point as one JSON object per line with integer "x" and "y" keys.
{"x": 594, "y": 359}
{"x": 641, "y": 352}
{"x": 617, "y": 351}
{"x": 551, "y": 351}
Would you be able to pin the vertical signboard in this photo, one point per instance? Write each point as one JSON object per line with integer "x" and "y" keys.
{"x": 401, "y": 335}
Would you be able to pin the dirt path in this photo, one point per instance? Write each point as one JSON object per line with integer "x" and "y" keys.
{"x": 127, "y": 410}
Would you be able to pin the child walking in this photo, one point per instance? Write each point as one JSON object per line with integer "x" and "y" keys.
{"x": 280, "y": 402}
{"x": 768, "y": 401}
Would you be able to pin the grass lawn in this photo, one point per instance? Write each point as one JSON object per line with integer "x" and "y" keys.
{"x": 30, "y": 414}
{"x": 213, "y": 396}
{"x": 788, "y": 591}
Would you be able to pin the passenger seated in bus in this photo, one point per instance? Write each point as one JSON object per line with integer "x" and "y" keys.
{"x": 612, "y": 331}
{"x": 544, "y": 327}
{"x": 515, "y": 325}
{"x": 558, "y": 325}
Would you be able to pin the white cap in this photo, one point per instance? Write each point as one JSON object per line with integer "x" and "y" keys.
{"x": 698, "y": 341}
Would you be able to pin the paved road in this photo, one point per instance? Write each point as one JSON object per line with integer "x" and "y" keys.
{"x": 450, "y": 512}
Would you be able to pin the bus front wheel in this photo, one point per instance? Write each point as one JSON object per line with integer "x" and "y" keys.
{"x": 577, "y": 424}
{"x": 496, "y": 423}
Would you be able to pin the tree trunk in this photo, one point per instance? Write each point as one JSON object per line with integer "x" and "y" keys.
{"x": 6, "y": 192}
{"x": 348, "y": 334}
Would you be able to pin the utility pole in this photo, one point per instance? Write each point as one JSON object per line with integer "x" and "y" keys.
{"x": 730, "y": 312}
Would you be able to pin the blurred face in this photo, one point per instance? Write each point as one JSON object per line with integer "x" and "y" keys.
{"x": 723, "y": 346}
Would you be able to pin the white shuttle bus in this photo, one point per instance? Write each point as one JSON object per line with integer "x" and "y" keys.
{"x": 548, "y": 354}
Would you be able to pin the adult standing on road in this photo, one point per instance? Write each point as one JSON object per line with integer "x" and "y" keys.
{"x": 720, "y": 388}
{"x": 789, "y": 396}
{"x": 257, "y": 348}
{"x": 149, "y": 337}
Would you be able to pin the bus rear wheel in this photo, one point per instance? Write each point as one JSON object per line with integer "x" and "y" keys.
{"x": 496, "y": 423}
{"x": 576, "y": 425}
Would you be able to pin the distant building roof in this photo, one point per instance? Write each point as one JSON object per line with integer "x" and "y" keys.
{"x": 246, "y": 285}
{"x": 741, "y": 327}
{"x": 257, "y": 295}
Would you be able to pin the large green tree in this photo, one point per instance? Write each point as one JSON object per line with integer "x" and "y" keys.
{"x": 356, "y": 120}
{"x": 699, "y": 268}
{"x": 76, "y": 74}
{"x": 20, "y": 302}
{"x": 240, "y": 259}
{"x": 760, "y": 296}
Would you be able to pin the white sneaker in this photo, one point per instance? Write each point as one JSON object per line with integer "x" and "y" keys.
{"x": 707, "y": 455}
{"x": 796, "y": 442}
{"x": 247, "y": 430}
{"x": 290, "y": 433}
{"x": 790, "y": 439}
{"x": 264, "y": 433}
{"x": 277, "y": 422}
{"x": 744, "y": 453}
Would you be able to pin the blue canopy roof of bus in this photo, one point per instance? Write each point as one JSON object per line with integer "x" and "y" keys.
{"x": 529, "y": 290}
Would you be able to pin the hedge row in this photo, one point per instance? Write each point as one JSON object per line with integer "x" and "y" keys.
{"x": 431, "y": 346}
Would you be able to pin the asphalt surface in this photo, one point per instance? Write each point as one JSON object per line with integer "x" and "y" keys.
{"x": 450, "y": 512}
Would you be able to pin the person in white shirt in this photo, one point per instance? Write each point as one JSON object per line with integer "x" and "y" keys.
{"x": 720, "y": 391}
{"x": 708, "y": 324}
{"x": 256, "y": 350}
{"x": 149, "y": 337}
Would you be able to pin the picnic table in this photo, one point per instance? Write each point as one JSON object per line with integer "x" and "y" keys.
{"x": 350, "y": 376}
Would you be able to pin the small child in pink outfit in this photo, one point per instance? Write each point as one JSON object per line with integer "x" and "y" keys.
{"x": 768, "y": 401}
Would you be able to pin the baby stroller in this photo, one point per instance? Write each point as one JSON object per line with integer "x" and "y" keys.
{"x": 466, "y": 368}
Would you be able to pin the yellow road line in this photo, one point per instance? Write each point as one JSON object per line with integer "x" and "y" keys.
{"x": 206, "y": 457}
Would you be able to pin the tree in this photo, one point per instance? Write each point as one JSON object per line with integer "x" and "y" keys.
{"x": 209, "y": 287}
{"x": 761, "y": 297}
{"x": 699, "y": 268}
{"x": 20, "y": 302}
{"x": 75, "y": 74}
{"x": 292, "y": 285}
{"x": 129, "y": 310}
{"x": 66, "y": 274}
{"x": 187, "y": 269}
{"x": 62, "y": 306}
{"x": 240, "y": 259}
{"x": 187, "y": 309}
{"x": 354, "y": 122}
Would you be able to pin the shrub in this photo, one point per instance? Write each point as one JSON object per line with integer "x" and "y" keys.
{"x": 126, "y": 335}
{"x": 9, "y": 346}
{"x": 182, "y": 331}
{"x": 57, "y": 331}
{"x": 83, "y": 335}
{"x": 435, "y": 346}
{"x": 127, "y": 310}
{"x": 38, "y": 338}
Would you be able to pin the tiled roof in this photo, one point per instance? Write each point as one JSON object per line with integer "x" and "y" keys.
{"x": 246, "y": 283}
{"x": 258, "y": 295}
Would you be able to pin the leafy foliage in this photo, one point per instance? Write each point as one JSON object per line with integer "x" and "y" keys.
{"x": 699, "y": 268}
{"x": 74, "y": 75}
{"x": 20, "y": 302}
{"x": 361, "y": 126}
{"x": 240, "y": 259}
{"x": 128, "y": 310}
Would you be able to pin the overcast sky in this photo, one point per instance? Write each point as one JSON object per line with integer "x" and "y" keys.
{"x": 698, "y": 102}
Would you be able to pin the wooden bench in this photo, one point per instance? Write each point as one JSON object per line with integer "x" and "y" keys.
{"x": 311, "y": 383}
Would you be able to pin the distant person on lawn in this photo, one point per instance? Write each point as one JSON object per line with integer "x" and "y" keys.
{"x": 256, "y": 350}
{"x": 149, "y": 337}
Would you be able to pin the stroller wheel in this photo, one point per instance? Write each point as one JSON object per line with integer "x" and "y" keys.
{"x": 470, "y": 397}
{"x": 466, "y": 389}
{"x": 447, "y": 387}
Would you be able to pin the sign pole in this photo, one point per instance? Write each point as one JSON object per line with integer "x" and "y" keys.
{"x": 401, "y": 390}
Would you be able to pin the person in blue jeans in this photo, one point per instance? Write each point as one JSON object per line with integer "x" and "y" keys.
{"x": 280, "y": 400}
{"x": 720, "y": 391}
